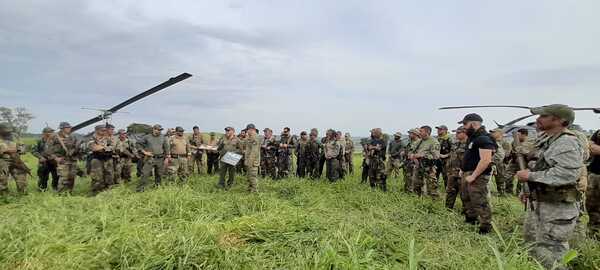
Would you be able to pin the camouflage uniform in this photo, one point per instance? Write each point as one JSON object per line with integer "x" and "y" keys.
{"x": 312, "y": 158}
{"x": 512, "y": 166}
{"x": 228, "y": 145}
{"x": 7, "y": 167}
{"x": 47, "y": 165}
{"x": 251, "y": 146}
{"x": 376, "y": 155}
{"x": 365, "y": 162}
{"x": 159, "y": 147}
{"x": 430, "y": 149}
{"x": 453, "y": 164}
{"x": 332, "y": 151}
{"x": 341, "y": 157}
{"x": 445, "y": 148}
{"x": 411, "y": 168}
{"x": 348, "y": 158}
{"x": 196, "y": 140}
{"x": 125, "y": 149}
{"x": 268, "y": 156}
{"x": 67, "y": 159}
{"x": 396, "y": 152}
{"x": 284, "y": 155}
{"x": 301, "y": 158}
{"x": 500, "y": 167}
{"x": 553, "y": 183}
{"x": 212, "y": 156}
{"x": 592, "y": 201}
{"x": 497, "y": 161}
{"x": 101, "y": 164}
{"x": 180, "y": 153}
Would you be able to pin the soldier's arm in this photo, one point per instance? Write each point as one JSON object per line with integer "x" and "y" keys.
{"x": 567, "y": 168}
{"x": 36, "y": 151}
{"x": 594, "y": 149}
{"x": 167, "y": 148}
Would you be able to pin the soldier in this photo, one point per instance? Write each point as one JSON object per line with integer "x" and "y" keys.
{"x": 125, "y": 150}
{"x": 313, "y": 155}
{"x": 396, "y": 151}
{"x": 66, "y": 157}
{"x": 228, "y": 143}
{"x": 101, "y": 160}
{"x": 498, "y": 160}
{"x": 154, "y": 148}
{"x": 348, "y": 154}
{"x": 268, "y": 155}
{"x": 592, "y": 202}
{"x": 322, "y": 159}
{"x": 365, "y": 162}
{"x": 301, "y": 155}
{"x": 411, "y": 166}
{"x": 284, "y": 153}
{"x": 212, "y": 156}
{"x": 376, "y": 150}
{"x": 445, "y": 146}
{"x": 251, "y": 146}
{"x": 180, "y": 153}
{"x": 553, "y": 186}
{"x": 342, "y": 156}
{"x": 47, "y": 165}
{"x": 512, "y": 167}
{"x": 8, "y": 151}
{"x": 240, "y": 167}
{"x": 196, "y": 141}
{"x": 453, "y": 163}
{"x": 427, "y": 152}
{"x": 332, "y": 151}
{"x": 476, "y": 171}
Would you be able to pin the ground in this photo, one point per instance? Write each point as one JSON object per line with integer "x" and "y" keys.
{"x": 290, "y": 224}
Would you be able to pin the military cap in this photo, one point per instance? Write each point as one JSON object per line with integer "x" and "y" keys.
{"x": 444, "y": 127}
{"x": 459, "y": 130}
{"x": 99, "y": 127}
{"x": 229, "y": 128}
{"x": 347, "y": 134}
{"x": 47, "y": 130}
{"x": 5, "y": 127}
{"x": 415, "y": 131}
{"x": 251, "y": 126}
{"x": 64, "y": 125}
{"x": 398, "y": 134}
{"x": 559, "y": 110}
{"x": 267, "y": 129}
{"x": 196, "y": 127}
{"x": 472, "y": 117}
{"x": 179, "y": 129}
{"x": 109, "y": 126}
{"x": 302, "y": 133}
{"x": 122, "y": 131}
{"x": 496, "y": 130}
{"x": 157, "y": 126}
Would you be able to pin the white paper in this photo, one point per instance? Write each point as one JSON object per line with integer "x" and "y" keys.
{"x": 231, "y": 158}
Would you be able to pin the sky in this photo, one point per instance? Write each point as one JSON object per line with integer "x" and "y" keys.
{"x": 351, "y": 65}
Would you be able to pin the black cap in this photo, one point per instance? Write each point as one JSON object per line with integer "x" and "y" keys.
{"x": 179, "y": 129}
{"x": 109, "y": 126}
{"x": 195, "y": 127}
{"x": 471, "y": 118}
{"x": 302, "y": 133}
{"x": 229, "y": 128}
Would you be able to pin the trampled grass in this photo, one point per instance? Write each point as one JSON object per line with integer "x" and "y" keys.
{"x": 290, "y": 224}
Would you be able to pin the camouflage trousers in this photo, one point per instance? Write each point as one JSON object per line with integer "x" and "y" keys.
{"x": 377, "y": 176}
{"x": 196, "y": 162}
{"x": 453, "y": 189}
{"x": 283, "y": 166}
{"x": 365, "y": 171}
{"x": 226, "y": 171}
{"x": 348, "y": 163}
{"x": 44, "y": 171}
{"x": 394, "y": 166}
{"x": 500, "y": 178}
{"x": 548, "y": 228}
{"x": 102, "y": 174}
{"x": 592, "y": 205}
{"x": 475, "y": 200}
{"x": 312, "y": 165}
{"x": 426, "y": 177}
{"x": 151, "y": 166}
{"x": 510, "y": 170}
{"x": 333, "y": 169}
{"x": 6, "y": 172}
{"x": 410, "y": 177}
{"x": 268, "y": 167}
{"x": 442, "y": 170}
{"x": 302, "y": 168}
{"x": 123, "y": 170}
{"x": 178, "y": 169}
{"x": 252, "y": 175}
{"x": 67, "y": 171}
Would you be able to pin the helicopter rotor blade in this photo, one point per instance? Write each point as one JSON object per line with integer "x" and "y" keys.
{"x": 87, "y": 123}
{"x": 518, "y": 120}
{"x": 485, "y": 106}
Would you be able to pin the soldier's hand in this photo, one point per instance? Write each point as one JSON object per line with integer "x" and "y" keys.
{"x": 470, "y": 179}
{"x": 523, "y": 175}
{"x": 524, "y": 197}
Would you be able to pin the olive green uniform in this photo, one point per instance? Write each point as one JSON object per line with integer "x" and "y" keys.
{"x": 251, "y": 150}
{"x": 233, "y": 145}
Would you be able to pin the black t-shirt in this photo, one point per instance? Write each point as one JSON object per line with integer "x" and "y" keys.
{"x": 595, "y": 165}
{"x": 480, "y": 140}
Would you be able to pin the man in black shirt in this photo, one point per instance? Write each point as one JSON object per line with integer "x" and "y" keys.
{"x": 592, "y": 203}
{"x": 476, "y": 172}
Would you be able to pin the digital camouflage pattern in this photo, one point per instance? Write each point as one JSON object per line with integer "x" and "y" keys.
{"x": 101, "y": 164}
{"x": 67, "y": 160}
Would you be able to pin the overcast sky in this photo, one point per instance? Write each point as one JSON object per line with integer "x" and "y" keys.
{"x": 349, "y": 65}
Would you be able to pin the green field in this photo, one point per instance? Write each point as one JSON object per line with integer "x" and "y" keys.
{"x": 290, "y": 224}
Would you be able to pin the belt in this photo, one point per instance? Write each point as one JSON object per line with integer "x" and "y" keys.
{"x": 178, "y": 155}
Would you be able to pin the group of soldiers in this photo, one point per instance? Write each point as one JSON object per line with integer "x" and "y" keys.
{"x": 550, "y": 170}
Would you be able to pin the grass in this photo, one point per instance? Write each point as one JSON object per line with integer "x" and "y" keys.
{"x": 290, "y": 224}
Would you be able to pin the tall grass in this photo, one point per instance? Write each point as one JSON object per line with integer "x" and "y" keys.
{"x": 290, "y": 224}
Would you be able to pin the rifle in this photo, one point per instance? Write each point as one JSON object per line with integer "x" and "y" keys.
{"x": 19, "y": 164}
{"x": 525, "y": 189}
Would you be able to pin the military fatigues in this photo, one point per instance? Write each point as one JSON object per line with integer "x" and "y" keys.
{"x": 251, "y": 147}
{"x": 67, "y": 160}
{"x": 365, "y": 163}
{"x": 394, "y": 164}
{"x": 411, "y": 168}
{"x": 553, "y": 183}
{"x": 7, "y": 167}
{"x": 268, "y": 158}
{"x": 125, "y": 150}
{"x": 445, "y": 148}
{"x": 430, "y": 149}
{"x": 592, "y": 202}
{"x": 212, "y": 157}
{"x": 376, "y": 157}
{"x": 497, "y": 161}
{"x": 332, "y": 151}
{"x": 284, "y": 155}
{"x": 453, "y": 164}
{"x": 342, "y": 159}
{"x": 301, "y": 158}
{"x": 312, "y": 158}
{"x": 180, "y": 152}
{"x": 196, "y": 161}
{"x": 500, "y": 167}
{"x": 513, "y": 166}
{"x": 322, "y": 159}
{"x": 228, "y": 145}
{"x": 348, "y": 158}
{"x": 101, "y": 164}
{"x": 47, "y": 165}
{"x": 158, "y": 146}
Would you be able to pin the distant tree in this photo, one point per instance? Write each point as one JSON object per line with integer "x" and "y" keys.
{"x": 18, "y": 118}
